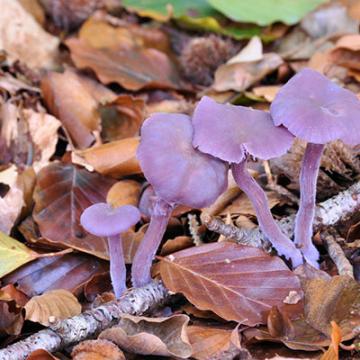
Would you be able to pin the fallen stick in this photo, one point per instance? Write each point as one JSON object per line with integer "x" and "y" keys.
{"x": 338, "y": 208}
{"x": 88, "y": 324}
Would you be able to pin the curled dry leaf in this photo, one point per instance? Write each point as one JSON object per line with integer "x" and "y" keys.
{"x": 240, "y": 76}
{"x": 70, "y": 272}
{"x": 97, "y": 350}
{"x": 125, "y": 65}
{"x": 11, "y": 318}
{"x": 116, "y": 159}
{"x": 52, "y": 306}
{"x": 333, "y": 352}
{"x": 17, "y": 28}
{"x": 63, "y": 192}
{"x": 237, "y": 282}
{"x": 41, "y": 355}
{"x": 347, "y": 52}
{"x": 11, "y": 293}
{"x": 215, "y": 343}
{"x": 151, "y": 336}
{"x": 124, "y": 192}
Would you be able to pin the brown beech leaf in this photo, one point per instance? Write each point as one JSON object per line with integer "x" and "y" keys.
{"x": 176, "y": 244}
{"x": 122, "y": 118}
{"x": 125, "y": 65}
{"x": 98, "y": 284}
{"x": 131, "y": 240}
{"x": 240, "y": 76}
{"x": 124, "y": 192}
{"x": 62, "y": 192}
{"x": 51, "y": 306}
{"x": 347, "y": 52}
{"x": 70, "y": 100}
{"x": 237, "y": 282}
{"x": 41, "y": 355}
{"x": 11, "y": 293}
{"x": 97, "y": 350}
{"x": 151, "y": 336}
{"x": 69, "y": 272}
{"x": 24, "y": 39}
{"x": 116, "y": 159}
{"x": 215, "y": 343}
{"x": 333, "y": 352}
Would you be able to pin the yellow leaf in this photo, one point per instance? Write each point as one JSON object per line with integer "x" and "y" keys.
{"x": 53, "y": 305}
{"x": 13, "y": 254}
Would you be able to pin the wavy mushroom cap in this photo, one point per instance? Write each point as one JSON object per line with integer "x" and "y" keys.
{"x": 229, "y": 132}
{"x": 179, "y": 173}
{"x": 315, "y": 109}
{"x": 103, "y": 220}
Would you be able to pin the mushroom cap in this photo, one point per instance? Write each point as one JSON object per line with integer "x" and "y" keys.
{"x": 179, "y": 173}
{"x": 229, "y": 132}
{"x": 103, "y": 220}
{"x": 315, "y": 109}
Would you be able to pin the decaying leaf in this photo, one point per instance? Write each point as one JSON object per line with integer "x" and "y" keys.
{"x": 124, "y": 192}
{"x": 333, "y": 352}
{"x": 215, "y": 343}
{"x": 62, "y": 192}
{"x": 41, "y": 355}
{"x": 151, "y": 336}
{"x": 69, "y": 272}
{"x": 237, "y": 282}
{"x": 97, "y": 350}
{"x": 11, "y": 318}
{"x": 52, "y": 306}
{"x": 131, "y": 240}
{"x": 18, "y": 27}
{"x": 13, "y": 254}
{"x": 116, "y": 159}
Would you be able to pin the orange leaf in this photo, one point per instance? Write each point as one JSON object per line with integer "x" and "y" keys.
{"x": 97, "y": 350}
{"x": 333, "y": 352}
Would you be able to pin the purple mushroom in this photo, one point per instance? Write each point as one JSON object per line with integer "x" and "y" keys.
{"x": 179, "y": 174}
{"x": 316, "y": 110}
{"x": 103, "y": 220}
{"x": 232, "y": 133}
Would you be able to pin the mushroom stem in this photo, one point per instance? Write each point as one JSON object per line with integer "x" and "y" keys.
{"x": 117, "y": 265}
{"x": 305, "y": 215}
{"x": 267, "y": 224}
{"x": 141, "y": 266}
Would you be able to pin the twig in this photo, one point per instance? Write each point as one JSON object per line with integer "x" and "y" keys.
{"x": 88, "y": 324}
{"x": 194, "y": 230}
{"x": 338, "y": 208}
{"x": 337, "y": 255}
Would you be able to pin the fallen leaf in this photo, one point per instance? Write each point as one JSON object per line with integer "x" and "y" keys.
{"x": 253, "y": 51}
{"x": 11, "y": 318}
{"x": 124, "y": 192}
{"x": 70, "y": 272}
{"x": 98, "y": 284}
{"x": 24, "y": 39}
{"x": 131, "y": 240}
{"x": 13, "y": 254}
{"x": 41, "y": 355}
{"x": 176, "y": 244}
{"x": 11, "y": 293}
{"x": 63, "y": 192}
{"x": 215, "y": 343}
{"x": 347, "y": 52}
{"x": 267, "y": 92}
{"x": 35, "y": 9}
{"x": 254, "y": 281}
{"x": 240, "y": 76}
{"x": 151, "y": 336}
{"x": 125, "y": 66}
{"x": 52, "y": 306}
{"x": 97, "y": 350}
{"x": 264, "y": 12}
{"x": 333, "y": 352}
{"x": 116, "y": 159}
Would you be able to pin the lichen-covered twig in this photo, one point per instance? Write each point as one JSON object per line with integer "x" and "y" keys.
{"x": 78, "y": 328}
{"x": 194, "y": 230}
{"x": 337, "y": 255}
{"x": 338, "y": 208}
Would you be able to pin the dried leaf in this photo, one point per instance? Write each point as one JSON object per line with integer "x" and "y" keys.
{"x": 11, "y": 293}
{"x": 24, "y": 39}
{"x": 240, "y": 76}
{"x": 124, "y": 192}
{"x": 62, "y": 192}
{"x": 13, "y": 254}
{"x": 176, "y": 244}
{"x": 267, "y": 92}
{"x": 115, "y": 159}
{"x": 41, "y": 355}
{"x": 97, "y": 350}
{"x": 125, "y": 66}
{"x": 232, "y": 279}
{"x": 52, "y": 306}
{"x": 69, "y": 272}
{"x": 347, "y": 52}
{"x": 151, "y": 336}
{"x": 131, "y": 240}
{"x": 333, "y": 352}
{"x": 215, "y": 343}
{"x": 11, "y": 318}
{"x": 253, "y": 51}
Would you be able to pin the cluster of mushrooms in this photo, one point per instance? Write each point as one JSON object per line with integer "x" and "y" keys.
{"x": 186, "y": 160}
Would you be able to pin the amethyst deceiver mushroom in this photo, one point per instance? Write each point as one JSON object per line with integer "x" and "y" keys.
{"x": 179, "y": 174}
{"x": 316, "y": 110}
{"x": 232, "y": 133}
{"x": 104, "y": 220}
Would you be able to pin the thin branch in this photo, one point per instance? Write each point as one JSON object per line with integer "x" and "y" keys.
{"x": 88, "y": 324}
{"x": 194, "y": 230}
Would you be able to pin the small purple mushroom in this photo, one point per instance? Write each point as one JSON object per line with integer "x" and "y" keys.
{"x": 231, "y": 133}
{"x": 316, "y": 110}
{"x": 103, "y": 220}
{"x": 179, "y": 174}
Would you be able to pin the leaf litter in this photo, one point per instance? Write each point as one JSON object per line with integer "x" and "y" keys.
{"x": 77, "y": 81}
